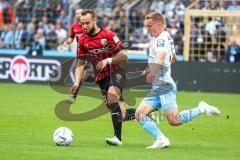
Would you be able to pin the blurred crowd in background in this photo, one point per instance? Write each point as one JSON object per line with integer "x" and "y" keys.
{"x": 44, "y": 24}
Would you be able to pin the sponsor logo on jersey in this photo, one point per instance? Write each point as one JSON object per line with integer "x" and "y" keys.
{"x": 119, "y": 77}
{"x": 160, "y": 42}
{"x": 104, "y": 41}
{"x": 97, "y": 51}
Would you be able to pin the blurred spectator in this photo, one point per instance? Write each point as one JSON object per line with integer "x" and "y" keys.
{"x": 206, "y": 5}
{"x": 45, "y": 25}
{"x": 7, "y": 14}
{"x": 64, "y": 4}
{"x": 51, "y": 38}
{"x": 120, "y": 21}
{"x": 55, "y": 10}
{"x": 39, "y": 7}
{"x": 174, "y": 28}
{"x": 221, "y": 5}
{"x": 197, "y": 45}
{"x": 157, "y": 5}
{"x": 220, "y": 40}
{"x": 34, "y": 20}
{"x": 19, "y": 33}
{"x": 103, "y": 21}
{"x": 3, "y": 34}
{"x": 211, "y": 25}
{"x": 233, "y": 6}
{"x": 41, "y": 38}
{"x": 61, "y": 33}
{"x": 213, "y": 5}
{"x": 63, "y": 18}
{"x": 135, "y": 21}
{"x": 180, "y": 9}
{"x": 233, "y": 52}
{"x": 179, "y": 39}
{"x": 144, "y": 4}
{"x": 0, "y": 34}
{"x": 23, "y": 7}
{"x": 1, "y": 4}
{"x": 1, "y": 18}
{"x": 112, "y": 26}
{"x": 28, "y": 35}
{"x": 197, "y": 4}
{"x": 174, "y": 22}
{"x": 133, "y": 38}
{"x": 169, "y": 7}
{"x": 141, "y": 44}
{"x": 36, "y": 48}
{"x": 105, "y": 7}
{"x": 8, "y": 39}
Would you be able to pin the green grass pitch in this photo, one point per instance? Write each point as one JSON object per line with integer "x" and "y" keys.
{"x": 27, "y": 122}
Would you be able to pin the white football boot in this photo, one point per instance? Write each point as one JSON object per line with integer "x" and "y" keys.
{"x": 113, "y": 141}
{"x": 161, "y": 142}
{"x": 71, "y": 99}
{"x": 208, "y": 109}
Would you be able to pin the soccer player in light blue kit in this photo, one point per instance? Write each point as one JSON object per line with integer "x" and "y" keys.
{"x": 163, "y": 91}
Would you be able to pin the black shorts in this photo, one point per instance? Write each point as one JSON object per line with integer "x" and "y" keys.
{"x": 117, "y": 79}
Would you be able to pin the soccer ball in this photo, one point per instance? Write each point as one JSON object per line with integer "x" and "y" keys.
{"x": 63, "y": 136}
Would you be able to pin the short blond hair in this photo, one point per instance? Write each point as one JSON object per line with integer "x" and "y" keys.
{"x": 155, "y": 16}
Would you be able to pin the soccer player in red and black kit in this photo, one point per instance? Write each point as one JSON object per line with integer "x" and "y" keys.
{"x": 104, "y": 50}
{"x": 76, "y": 29}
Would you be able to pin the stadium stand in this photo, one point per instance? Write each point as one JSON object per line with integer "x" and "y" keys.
{"x": 211, "y": 31}
{"x": 23, "y": 22}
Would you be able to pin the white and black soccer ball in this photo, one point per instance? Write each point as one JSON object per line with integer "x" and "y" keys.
{"x": 63, "y": 136}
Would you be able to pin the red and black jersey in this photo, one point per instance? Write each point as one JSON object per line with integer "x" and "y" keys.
{"x": 95, "y": 48}
{"x": 76, "y": 31}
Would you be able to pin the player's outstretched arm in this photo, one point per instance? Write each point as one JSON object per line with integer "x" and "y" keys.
{"x": 68, "y": 41}
{"x": 79, "y": 71}
{"x": 120, "y": 57}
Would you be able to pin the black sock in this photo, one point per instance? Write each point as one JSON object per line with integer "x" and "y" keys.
{"x": 130, "y": 114}
{"x": 116, "y": 119}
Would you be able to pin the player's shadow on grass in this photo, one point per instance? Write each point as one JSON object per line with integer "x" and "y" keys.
{"x": 62, "y": 109}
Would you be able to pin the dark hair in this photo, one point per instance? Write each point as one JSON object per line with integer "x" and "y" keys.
{"x": 92, "y": 12}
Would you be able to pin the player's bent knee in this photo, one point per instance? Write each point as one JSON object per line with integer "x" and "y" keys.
{"x": 112, "y": 98}
{"x": 139, "y": 114}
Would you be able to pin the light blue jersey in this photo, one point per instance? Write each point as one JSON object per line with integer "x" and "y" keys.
{"x": 163, "y": 43}
{"x": 163, "y": 92}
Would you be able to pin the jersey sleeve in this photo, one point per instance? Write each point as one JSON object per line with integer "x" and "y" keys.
{"x": 114, "y": 42}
